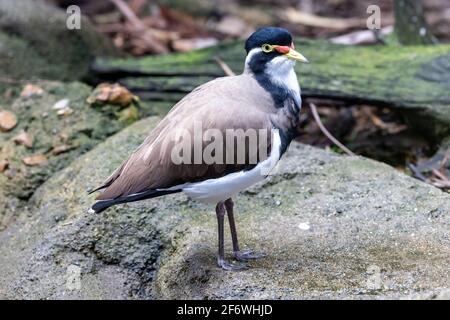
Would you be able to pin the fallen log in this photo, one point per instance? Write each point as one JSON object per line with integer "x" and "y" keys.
{"x": 415, "y": 80}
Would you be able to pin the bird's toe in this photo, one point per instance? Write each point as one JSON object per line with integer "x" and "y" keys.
{"x": 248, "y": 255}
{"x": 225, "y": 265}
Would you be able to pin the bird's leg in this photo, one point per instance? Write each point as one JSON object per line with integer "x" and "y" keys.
{"x": 238, "y": 254}
{"x": 220, "y": 212}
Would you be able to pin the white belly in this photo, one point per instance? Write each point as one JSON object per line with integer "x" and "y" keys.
{"x": 215, "y": 190}
{"x": 220, "y": 189}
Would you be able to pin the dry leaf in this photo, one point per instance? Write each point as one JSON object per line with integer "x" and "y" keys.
{"x": 3, "y": 165}
{"x": 64, "y": 136}
{"x": 61, "y": 149}
{"x": 24, "y": 139}
{"x": 111, "y": 93}
{"x": 31, "y": 90}
{"x": 184, "y": 45}
{"x": 34, "y": 160}
{"x": 361, "y": 36}
{"x": 119, "y": 40}
{"x": 308, "y": 19}
{"x": 7, "y": 120}
{"x": 137, "y": 5}
{"x": 391, "y": 128}
{"x": 233, "y": 26}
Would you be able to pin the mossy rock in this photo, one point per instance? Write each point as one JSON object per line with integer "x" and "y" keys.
{"x": 371, "y": 232}
{"x": 36, "y": 43}
{"x": 60, "y": 135}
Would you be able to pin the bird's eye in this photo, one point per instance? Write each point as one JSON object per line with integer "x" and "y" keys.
{"x": 267, "y": 48}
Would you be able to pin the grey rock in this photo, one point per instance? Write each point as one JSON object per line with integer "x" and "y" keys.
{"x": 36, "y": 43}
{"x": 373, "y": 234}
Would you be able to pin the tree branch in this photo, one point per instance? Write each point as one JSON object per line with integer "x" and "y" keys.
{"x": 326, "y": 132}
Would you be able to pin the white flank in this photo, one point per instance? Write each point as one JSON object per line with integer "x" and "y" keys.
{"x": 220, "y": 189}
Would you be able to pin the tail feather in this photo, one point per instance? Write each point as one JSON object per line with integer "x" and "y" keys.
{"x": 102, "y": 205}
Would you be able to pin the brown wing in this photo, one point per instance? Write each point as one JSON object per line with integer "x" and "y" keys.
{"x": 225, "y": 103}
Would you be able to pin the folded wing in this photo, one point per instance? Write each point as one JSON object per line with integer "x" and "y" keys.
{"x": 236, "y": 103}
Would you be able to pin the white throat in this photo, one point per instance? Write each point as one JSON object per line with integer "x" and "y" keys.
{"x": 279, "y": 70}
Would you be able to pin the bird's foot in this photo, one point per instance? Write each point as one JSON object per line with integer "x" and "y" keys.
{"x": 225, "y": 265}
{"x": 248, "y": 255}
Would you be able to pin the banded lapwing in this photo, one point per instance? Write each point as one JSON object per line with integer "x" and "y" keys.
{"x": 265, "y": 99}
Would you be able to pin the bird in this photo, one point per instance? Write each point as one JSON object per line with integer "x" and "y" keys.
{"x": 265, "y": 98}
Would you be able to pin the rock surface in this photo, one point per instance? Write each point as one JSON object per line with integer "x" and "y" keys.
{"x": 55, "y": 125}
{"x": 332, "y": 227}
{"x": 35, "y": 42}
